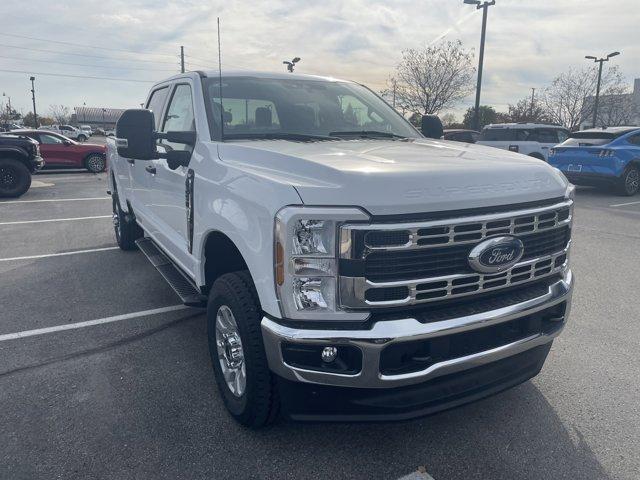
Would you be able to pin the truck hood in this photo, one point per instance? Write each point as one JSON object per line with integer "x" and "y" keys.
{"x": 394, "y": 177}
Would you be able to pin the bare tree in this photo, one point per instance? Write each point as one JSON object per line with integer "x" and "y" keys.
{"x": 525, "y": 110}
{"x": 616, "y": 109}
{"x": 60, "y": 114}
{"x": 569, "y": 98}
{"x": 432, "y": 78}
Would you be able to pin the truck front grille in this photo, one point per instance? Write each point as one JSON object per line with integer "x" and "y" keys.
{"x": 406, "y": 264}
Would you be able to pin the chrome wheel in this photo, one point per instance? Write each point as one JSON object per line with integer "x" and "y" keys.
{"x": 95, "y": 163}
{"x": 230, "y": 352}
{"x": 632, "y": 181}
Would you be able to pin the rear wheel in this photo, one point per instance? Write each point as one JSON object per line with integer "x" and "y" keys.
{"x": 95, "y": 163}
{"x": 629, "y": 182}
{"x": 237, "y": 352}
{"x": 15, "y": 178}
{"x": 82, "y": 138}
{"x": 124, "y": 224}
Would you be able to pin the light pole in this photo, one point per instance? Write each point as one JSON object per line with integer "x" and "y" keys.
{"x": 600, "y": 61}
{"x": 291, "y": 65}
{"x": 485, "y": 8}
{"x": 33, "y": 98}
{"x": 104, "y": 127}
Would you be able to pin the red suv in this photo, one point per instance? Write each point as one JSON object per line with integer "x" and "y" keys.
{"x": 60, "y": 151}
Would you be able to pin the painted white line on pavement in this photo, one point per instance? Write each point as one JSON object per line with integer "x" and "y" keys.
{"x": 624, "y": 204}
{"x": 90, "y": 323}
{"x": 21, "y": 222}
{"x": 55, "y": 200}
{"x": 38, "y": 184}
{"x": 62, "y": 254}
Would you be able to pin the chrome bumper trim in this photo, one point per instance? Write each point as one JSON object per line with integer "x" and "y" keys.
{"x": 372, "y": 342}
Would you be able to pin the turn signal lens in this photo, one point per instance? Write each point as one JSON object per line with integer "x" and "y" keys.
{"x": 279, "y": 264}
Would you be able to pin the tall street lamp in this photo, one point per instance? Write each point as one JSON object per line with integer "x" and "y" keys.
{"x": 104, "y": 127}
{"x": 33, "y": 98}
{"x": 600, "y": 61}
{"x": 485, "y": 8}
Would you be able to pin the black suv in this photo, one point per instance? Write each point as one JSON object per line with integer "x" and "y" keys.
{"x": 19, "y": 158}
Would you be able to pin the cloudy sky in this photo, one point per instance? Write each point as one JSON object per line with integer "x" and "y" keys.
{"x": 528, "y": 42}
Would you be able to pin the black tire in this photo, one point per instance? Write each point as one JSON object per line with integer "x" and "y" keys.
{"x": 95, "y": 163}
{"x": 124, "y": 224}
{"x": 538, "y": 156}
{"x": 259, "y": 404}
{"x": 15, "y": 178}
{"x": 82, "y": 138}
{"x": 629, "y": 182}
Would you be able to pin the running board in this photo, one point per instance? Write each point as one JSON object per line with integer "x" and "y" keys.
{"x": 184, "y": 287}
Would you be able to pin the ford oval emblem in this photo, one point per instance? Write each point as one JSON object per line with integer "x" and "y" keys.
{"x": 496, "y": 254}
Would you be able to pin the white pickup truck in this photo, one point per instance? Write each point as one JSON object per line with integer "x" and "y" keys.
{"x": 350, "y": 267}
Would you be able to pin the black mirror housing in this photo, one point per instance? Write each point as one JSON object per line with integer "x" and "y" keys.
{"x": 135, "y": 134}
{"x": 431, "y": 126}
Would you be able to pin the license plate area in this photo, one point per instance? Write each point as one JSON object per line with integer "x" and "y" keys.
{"x": 574, "y": 168}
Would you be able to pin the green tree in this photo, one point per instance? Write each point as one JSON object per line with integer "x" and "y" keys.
{"x": 487, "y": 115}
{"x": 29, "y": 120}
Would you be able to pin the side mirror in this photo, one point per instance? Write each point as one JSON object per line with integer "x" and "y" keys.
{"x": 66, "y": 143}
{"x": 135, "y": 135}
{"x": 431, "y": 126}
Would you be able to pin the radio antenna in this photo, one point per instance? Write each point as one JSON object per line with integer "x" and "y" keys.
{"x": 220, "y": 84}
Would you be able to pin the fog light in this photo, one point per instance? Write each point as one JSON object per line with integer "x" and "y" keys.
{"x": 329, "y": 354}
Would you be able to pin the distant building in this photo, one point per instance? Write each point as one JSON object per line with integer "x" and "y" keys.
{"x": 614, "y": 110}
{"x": 97, "y": 117}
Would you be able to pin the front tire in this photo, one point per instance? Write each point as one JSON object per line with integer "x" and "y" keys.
{"x": 15, "y": 178}
{"x": 124, "y": 224}
{"x": 82, "y": 138}
{"x": 95, "y": 163}
{"x": 629, "y": 182}
{"x": 237, "y": 352}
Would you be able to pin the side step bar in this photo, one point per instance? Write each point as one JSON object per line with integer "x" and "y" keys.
{"x": 183, "y": 286}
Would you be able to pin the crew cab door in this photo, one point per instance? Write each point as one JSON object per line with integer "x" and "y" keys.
{"x": 139, "y": 179}
{"x": 168, "y": 186}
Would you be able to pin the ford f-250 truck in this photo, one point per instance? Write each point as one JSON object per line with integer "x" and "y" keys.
{"x": 350, "y": 267}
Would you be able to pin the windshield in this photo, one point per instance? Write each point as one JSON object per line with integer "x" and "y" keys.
{"x": 297, "y": 109}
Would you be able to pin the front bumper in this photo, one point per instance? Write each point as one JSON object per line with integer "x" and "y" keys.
{"x": 38, "y": 163}
{"x": 372, "y": 341}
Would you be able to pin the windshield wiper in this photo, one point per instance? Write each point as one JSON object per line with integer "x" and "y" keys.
{"x": 365, "y": 134}
{"x": 299, "y": 137}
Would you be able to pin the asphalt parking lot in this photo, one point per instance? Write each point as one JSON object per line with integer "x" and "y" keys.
{"x": 134, "y": 396}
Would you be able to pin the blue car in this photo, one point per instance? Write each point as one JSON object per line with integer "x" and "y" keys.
{"x": 601, "y": 157}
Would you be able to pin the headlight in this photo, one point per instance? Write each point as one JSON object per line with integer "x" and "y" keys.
{"x": 305, "y": 261}
{"x": 570, "y": 193}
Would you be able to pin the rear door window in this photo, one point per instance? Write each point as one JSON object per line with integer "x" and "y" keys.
{"x": 547, "y": 135}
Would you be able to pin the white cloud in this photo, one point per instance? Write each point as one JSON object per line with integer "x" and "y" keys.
{"x": 528, "y": 43}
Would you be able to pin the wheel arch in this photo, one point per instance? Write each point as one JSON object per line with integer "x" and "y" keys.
{"x": 220, "y": 256}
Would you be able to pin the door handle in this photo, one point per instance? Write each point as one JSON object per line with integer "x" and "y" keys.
{"x": 151, "y": 169}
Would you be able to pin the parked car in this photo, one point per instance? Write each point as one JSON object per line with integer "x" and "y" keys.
{"x": 461, "y": 135}
{"x": 601, "y": 157}
{"x": 7, "y": 127}
{"x": 87, "y": 129}
{"x": 110, "y": 133}
{"x": 350, "y": 267}
{"x": 60, "y": 151}
{"x": 68, "y": 131}
{"x": 19, "y": 158}
{"x": 533, "y": 139}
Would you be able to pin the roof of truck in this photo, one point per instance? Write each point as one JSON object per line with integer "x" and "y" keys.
{"x": 258, "y": 74}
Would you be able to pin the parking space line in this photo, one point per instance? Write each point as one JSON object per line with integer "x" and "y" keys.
{"x": 62, "y": 254}
{"x": 21, "y": 222}
{"x": 624, "y": 204}
{"x": 90, "y": 323}
{"x": 55, "y": 200}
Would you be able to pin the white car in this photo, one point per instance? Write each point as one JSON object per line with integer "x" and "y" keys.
{"x": 533, "y": 139}
{"x": 350, "y": 267}
{"x": 87, "y": 129}
{"x": 68, "y": 131}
